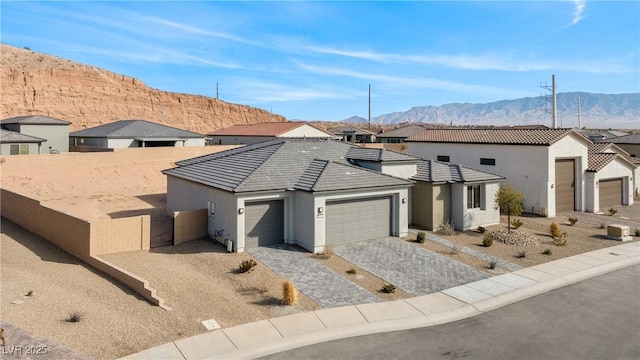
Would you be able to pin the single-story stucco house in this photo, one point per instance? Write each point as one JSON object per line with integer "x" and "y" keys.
{"x": 550, "y": 166}
{"x": 242, "y": 134}
{"x": 55, "y": 132}
{"x": 609, "y": 168}
{"x": 309, "y": 192}
{"x": 397, "y": 136}
{"x": 353, "y": 134}
{"x": 133, "y": 134}
{"x": 14, "y": 143}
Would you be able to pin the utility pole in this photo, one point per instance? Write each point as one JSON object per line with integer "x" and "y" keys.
{"x": 369, "y": 107}
{"x": 552, "y": 88}
{"x": 217, "y": 91}
{"x": 579, "y": 114}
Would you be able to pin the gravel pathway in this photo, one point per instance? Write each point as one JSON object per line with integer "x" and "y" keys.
{"x": 463, "y": 249}
{"x": 323, "y": 285}
{"x": 411, "y": 268}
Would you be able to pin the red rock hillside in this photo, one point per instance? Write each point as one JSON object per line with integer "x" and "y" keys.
{"x": 38, "y": 84}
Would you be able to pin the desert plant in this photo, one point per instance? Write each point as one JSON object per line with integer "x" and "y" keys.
{"x": 421, "y": 237}
{"x": 247, "y": 265}
{"x": 516, "y": 223}
{"x": 29, "y": 293}
{"x": 509, "y": 200}
{"x": 454, "y": 250}
{"x": 602, "y": 225}
{"x": 521, "y": 254}
{"x": 351, "y": 271}
{"x": 289, "y": 293}
{"x": 637, "y": 232}
{"x": 546, "y": 252}
{"x": 327, "y": 252}
{"x": 74, "y": 316}
{"x": 573, "y": 221}
{"x": 487, "y": 240}
{"x": 492, "y": 264}
{"x": 388, "y": 289}
{"x": 554, "y": 230}
{"x": 561, "y": 240}
{"x": 612, "y": 211}
{"x": 446, "y": 228}
{"x": 482, "y": 229}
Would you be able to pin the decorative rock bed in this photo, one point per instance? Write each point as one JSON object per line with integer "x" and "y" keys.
{"x": 516, "y": 237}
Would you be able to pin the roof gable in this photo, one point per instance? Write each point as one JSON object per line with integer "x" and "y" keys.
{"x": 259, "y": 129}
{"x": 545, "y": 137}
{"x": 134, "y": 129}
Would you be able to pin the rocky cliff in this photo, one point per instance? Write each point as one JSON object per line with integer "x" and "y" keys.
{"x": 38, "y": 84}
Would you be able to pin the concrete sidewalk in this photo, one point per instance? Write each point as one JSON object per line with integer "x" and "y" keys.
{"x": 270, "y": 336}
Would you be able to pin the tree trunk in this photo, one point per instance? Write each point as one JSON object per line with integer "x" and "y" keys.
{"x": 508, "y": 219}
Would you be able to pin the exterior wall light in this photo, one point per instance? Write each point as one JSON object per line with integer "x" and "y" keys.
{"x": 320, "y": 210}
{"x": 404, "y": 200}
{"x": 241, "y": 211}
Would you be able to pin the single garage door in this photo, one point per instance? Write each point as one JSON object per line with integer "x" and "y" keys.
{"x": 358, "y": 219}
{"x": 264, "y": 223}
{"x": 565, "y": 185}
{"x": 610, "y": 193}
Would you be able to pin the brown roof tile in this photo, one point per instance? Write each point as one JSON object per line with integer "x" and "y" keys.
{"x": 259, "y": 129}
{"x": 492, "y": 136}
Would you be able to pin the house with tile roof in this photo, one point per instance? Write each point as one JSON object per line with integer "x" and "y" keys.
{"x": 548, "y": 165}
{"x": 243, "y": 134}
{"x": 353, "y": 134}
{"x": 309, "y": 192}
{"x": 132, "y": 134}
{"x": 14, "y": 143}
{"x": 398, "y": 135}
{"x": 629, "y": 143}
{"x": 55, "y": 132}
{"x": 607, "y": 175}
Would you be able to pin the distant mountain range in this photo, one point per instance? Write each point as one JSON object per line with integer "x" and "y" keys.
{"x": 621, "y": 111}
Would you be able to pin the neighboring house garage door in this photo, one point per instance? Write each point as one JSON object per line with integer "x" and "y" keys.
{"x": 565, "y": 185}
{"x": 358, "y": 219}
{"x": 610, "y": 193}
{"x": 264, "y": 223}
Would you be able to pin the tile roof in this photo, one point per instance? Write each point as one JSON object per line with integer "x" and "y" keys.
{"x": 602, "y": 153}
{"x": 436, "y": 171}
{"x": 371, "y": 154}
{"x": 260, "y": 129}
{"x": 349, "y": 130}
{"x": 134, "y": 129}
{"x": 402, "y": 132}
{"x": 597, "y": 161}
{"x": 13, "y": 137}
{"x": 304, "y": 164}
{"x": 627, "y": 139}
{"x": 34, "y": 120}
{"x": 493, "y": 136}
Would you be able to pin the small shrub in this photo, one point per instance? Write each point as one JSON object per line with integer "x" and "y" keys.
{"x": 492, "y": 264}
{"x": 446, "y": 228}
{"x": 573, "y": 221}
{"x": 388, "y": 289}
{"x": 487, "y": 240}
{"x": 554, "y": 230}
{"x": 247, "y": 265}
{"x": 74, "y": 317}
{"x": 637, "y": 232}
{"x": 29, "y": 293}
{"x": 421, "y": 237}
{"x": 351, "y": 271}
{"x": 560, "y": 240}
{"x": 546, "y": 252}
{"x": 602, "y": 225}
{"x": 521, "y": 254}
{"x": 612, "y": 211}
{"x": 482, "y": 229}
{"x": 516, "y": 223}
{"x": 289, "y": 293}
{"x": 455, "y": 250}
{"x": 327, "y": 253}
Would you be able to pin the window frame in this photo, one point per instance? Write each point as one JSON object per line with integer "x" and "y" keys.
{"x": 488, "y": 161}
{"x": 475, "y": 197}
{"x": 443, "y": 157}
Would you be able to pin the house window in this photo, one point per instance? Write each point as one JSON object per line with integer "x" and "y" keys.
{"x": 393, "y": 141}
{"x": 443, "y": 158}
{"x": 487, "y": 161}
{"x": 473, "y": 197}
{"x": 21, "y": 149}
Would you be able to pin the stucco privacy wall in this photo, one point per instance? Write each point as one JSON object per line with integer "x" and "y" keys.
{"x": 82, "y": 238}
{"x": 189, "y": 225}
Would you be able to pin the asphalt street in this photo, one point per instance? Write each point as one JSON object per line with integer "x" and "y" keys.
{"x": 595, "y": 319}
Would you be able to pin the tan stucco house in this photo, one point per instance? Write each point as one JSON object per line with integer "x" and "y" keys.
{"x": 243, "y": 134}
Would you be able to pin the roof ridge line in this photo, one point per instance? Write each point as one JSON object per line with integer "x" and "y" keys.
{"x": 326, "y": 164}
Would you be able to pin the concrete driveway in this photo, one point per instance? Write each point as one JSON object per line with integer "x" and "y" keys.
{"x": 411, "y": 268}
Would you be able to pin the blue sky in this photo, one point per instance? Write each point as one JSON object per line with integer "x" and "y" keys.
{"x": 315, "y": 60}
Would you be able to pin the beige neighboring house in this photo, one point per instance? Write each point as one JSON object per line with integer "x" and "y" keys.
{"x": 254, "y": 133}
{"x": 14, "y": 143}
{"x": 55, "y": 132}
{"x": 353, "y": 134}
{"x": 550, "y": 166}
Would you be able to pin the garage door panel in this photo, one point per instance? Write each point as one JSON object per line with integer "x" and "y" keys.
{"x": 565, "y": 185}
{"x": 264, "y": 223}
{"x": 610, "y": 192}
{"x": 358, "y": 219}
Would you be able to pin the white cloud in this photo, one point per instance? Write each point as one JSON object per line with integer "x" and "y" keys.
{"x": 578, "y": 13}
{"x": 264, "y": 91}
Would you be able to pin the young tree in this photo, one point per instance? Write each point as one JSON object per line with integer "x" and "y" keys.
{"x": 510, "y": 201}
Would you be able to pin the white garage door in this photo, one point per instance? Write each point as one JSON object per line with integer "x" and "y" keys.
{"x": 264, "y": 223}
{"x": 358, "y": 219}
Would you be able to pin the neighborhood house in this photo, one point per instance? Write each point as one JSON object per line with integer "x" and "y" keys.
{"x": 54, "y": 134}
{"x": 259, "y": 132}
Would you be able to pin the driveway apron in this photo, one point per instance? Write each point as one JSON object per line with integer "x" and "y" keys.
{"x": 409, "y": 267}
{"x": 323, "y": 285}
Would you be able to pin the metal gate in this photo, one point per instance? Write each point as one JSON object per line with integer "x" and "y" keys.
{"x": 161, "y": 231}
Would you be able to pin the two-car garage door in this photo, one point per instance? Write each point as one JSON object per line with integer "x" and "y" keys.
{"x": 357, "y": 219}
